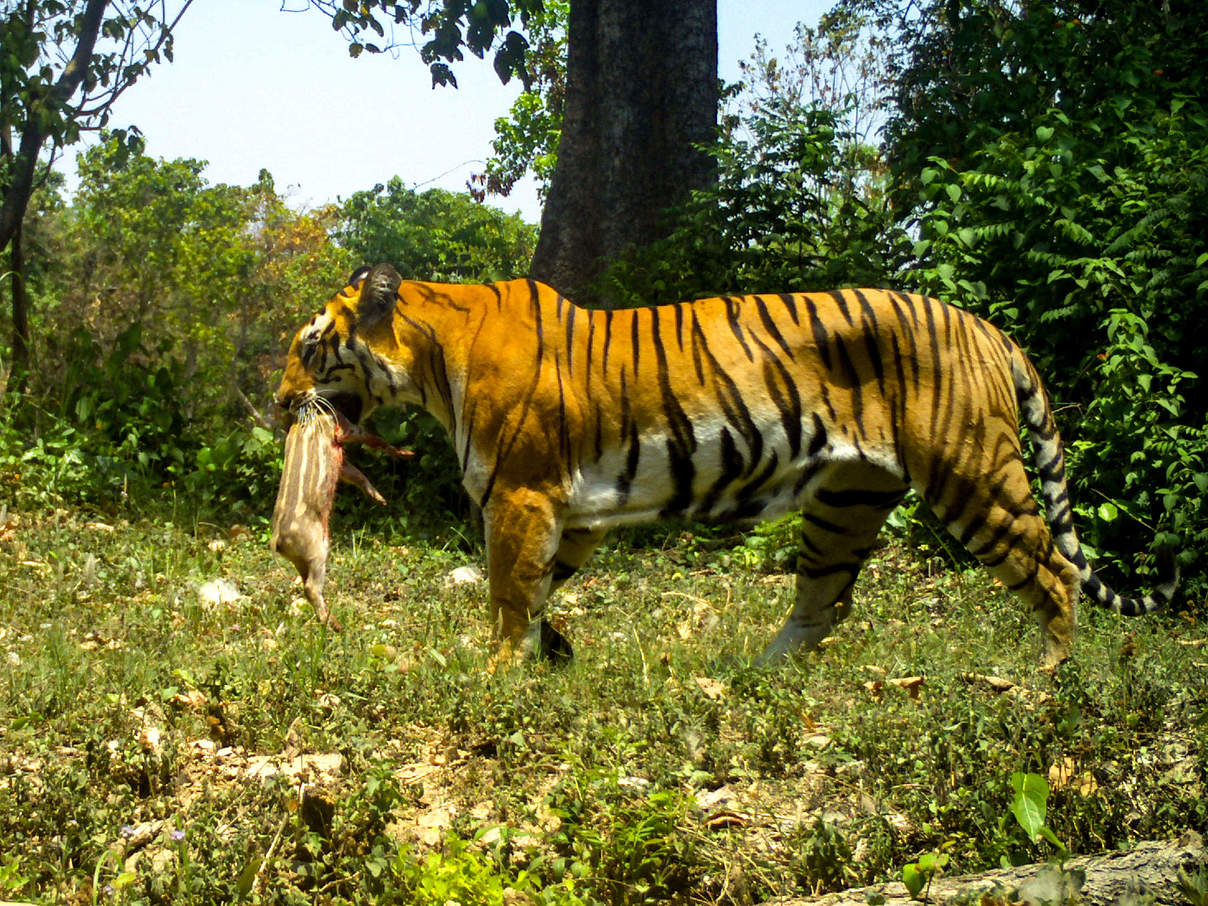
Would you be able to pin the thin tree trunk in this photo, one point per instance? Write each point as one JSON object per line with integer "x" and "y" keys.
{"x": 21, "y": 177}
{"x": 19, "y": 374}
{"x": 641, "y": 94}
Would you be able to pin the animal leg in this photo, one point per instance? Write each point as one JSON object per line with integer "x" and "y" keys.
{"x": 523, "y": 535}
{"x": 354, "y": 476}
{"x": 1007, "y": 533}
{"x": 845, "y": 511}
{"x": 576, "y": 546}
{"x": 314, "y": 573}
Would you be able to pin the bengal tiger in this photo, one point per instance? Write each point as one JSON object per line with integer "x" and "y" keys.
{"x": 568, "y": 421}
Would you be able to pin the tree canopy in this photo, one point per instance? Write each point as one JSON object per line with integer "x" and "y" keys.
{"x": 62, "y": 67}
{"x": 439, "y": 30}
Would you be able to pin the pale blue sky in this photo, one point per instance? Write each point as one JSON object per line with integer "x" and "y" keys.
{"x": 253, "y": 87}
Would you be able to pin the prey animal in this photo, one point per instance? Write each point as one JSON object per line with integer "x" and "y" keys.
{"x": 314, "y": 465}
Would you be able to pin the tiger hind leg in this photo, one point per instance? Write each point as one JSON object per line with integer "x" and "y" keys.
{"x": 843, "y": 514}
{"x": 1001, "y": 525}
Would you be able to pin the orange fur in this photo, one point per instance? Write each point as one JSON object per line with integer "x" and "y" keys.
{"x": 568, "y": 421}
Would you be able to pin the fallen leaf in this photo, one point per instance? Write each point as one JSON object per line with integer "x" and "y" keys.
{"x": 432, "y": 825}
{"x": 995, "y": 683}
{"x": 912, "y": 684}
{"x": 1062, "y": 774}
{"x": 463, "y": 575}
{"x": 217, "y": 592}
{"x": 726, "y": 820}
{"x": 711, "y": 687}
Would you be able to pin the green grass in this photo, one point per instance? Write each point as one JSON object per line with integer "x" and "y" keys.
{"x": 157, "y": 749}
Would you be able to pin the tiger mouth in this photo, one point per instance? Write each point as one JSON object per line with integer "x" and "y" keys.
{"x": 348, "y": 405}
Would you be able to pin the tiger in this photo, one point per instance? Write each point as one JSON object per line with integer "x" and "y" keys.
{"x": 568, "y": 422}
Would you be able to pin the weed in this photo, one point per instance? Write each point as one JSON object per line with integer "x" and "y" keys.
{"x": 383, "y": 764}
{"x": 1029, "y": 809}
{"x": 917, "y": 876}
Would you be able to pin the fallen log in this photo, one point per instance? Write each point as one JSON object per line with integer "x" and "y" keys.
{"x": 1154, "y": 873}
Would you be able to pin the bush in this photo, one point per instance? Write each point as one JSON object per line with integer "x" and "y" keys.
{"x": 793, "y": 211}
{"x": 1081, "y": 247}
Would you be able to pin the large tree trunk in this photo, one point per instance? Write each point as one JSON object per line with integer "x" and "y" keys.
{"x": 641, "y": 93}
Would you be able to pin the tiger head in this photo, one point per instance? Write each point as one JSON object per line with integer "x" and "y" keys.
{"x": 348, "y": 354}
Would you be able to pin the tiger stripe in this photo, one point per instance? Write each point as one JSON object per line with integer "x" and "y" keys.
{"x": 568, "y": 422}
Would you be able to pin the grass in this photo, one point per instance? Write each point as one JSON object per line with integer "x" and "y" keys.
{"x": 157, "y": 748}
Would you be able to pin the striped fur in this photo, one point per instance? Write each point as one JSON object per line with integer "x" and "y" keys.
{"x": 313, "y": 467}
{"x": 569, "y": 421}
{"x": 313, "y": 458}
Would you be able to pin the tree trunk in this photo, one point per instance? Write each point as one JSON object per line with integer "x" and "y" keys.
{"x": 1150, "y": 871}
{"x": 19, "y": 374}
{"x": 39, "y": 119}
{"x": 641, "y": 93}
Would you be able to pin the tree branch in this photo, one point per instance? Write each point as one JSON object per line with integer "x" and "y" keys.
{"x": 33, "y": 136}
{"x": 257, "y": 416}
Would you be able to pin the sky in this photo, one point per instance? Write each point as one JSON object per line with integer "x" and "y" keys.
{"x": 255, "y": 86}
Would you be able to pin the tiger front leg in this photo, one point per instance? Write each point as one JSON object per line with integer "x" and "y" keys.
{"x": 522, "y": 531}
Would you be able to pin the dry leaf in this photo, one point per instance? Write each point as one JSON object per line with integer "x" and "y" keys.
{"x": 1061, "y": 775}
{"x": 725, "y": 820}
{"x": 432, "y": 825}
{"x": 711, "y": 687}
{"x": 912, "y": 684}
{"x": 995, "y": 683}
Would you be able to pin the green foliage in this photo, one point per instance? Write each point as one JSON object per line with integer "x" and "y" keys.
{"x": 168, "y": 312}
{"x": 1137, "y": 440}
{"x": 1029, "y": 808}
{"x": 789, "y": 213}
{"x": 435, "y": 235}
{"x": 1194, "y": 886}
{"x": 640, "y": 858}
{"x": 449, "y": 27}
{"x": 526, "y": 140}
{"x": 118, "y": 436}
{"x": 917, "y": 876}
{"x": 150, "y": 246}
{"x": 460, "y": 874}
{"x": 35, "y": 34}
{"x": 119, "y": 426}
{"x": 1065, "y": 199}
{"x": 384, "y": 763}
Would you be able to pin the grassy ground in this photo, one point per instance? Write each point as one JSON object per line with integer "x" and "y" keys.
{"x": 156, "y": 746}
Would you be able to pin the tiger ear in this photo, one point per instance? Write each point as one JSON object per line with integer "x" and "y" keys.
{"x": 378, "y": 295}
{"x": 358, "y": 275}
